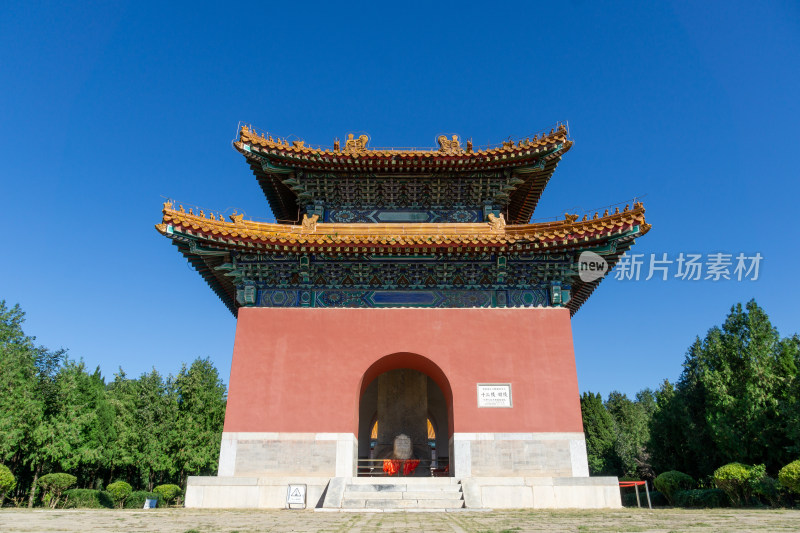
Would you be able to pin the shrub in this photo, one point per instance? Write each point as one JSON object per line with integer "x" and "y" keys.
{"x": 739, "y": 481}
{"x": 119, "y": 491}
{"x": 168, "y": 492}
{"x": 768, "y": 490}
{"x": 789, "y": 476}
{"x": 88, "y": 499}
{"x": 705, "y": 498}
{"x": 7, "y": 482}
{"x": 668, "y": 483}
{"x": 137, "y": 498}
{"x": 54, "y": 485}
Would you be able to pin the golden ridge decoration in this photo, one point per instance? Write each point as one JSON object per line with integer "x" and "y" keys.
{"x": 449, "y": 146}
{"x": 353, "y": 145}
{"x": 356, "y": 145}
{"x": 497, "y": 223}
{"x": 310, "y": 224}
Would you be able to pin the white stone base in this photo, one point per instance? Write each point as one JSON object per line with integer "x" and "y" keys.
{"x": 479, "y": 492}
{"x": 542, "y": 492}
{"x": 519, "y": 455}
{"x": 250, "y": 492}
{"x": 287, "y": 454}
{"x": 496, "y": 470}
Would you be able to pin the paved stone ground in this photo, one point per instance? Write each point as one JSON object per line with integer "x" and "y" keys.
{"x": 230, "y": 521}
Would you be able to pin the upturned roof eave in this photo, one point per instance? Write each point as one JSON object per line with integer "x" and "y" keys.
{"x": 268, "y": 158}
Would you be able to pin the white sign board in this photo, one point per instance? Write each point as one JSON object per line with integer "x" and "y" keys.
{"x": 296, "y": 495}
{"x": 494, "y": 395}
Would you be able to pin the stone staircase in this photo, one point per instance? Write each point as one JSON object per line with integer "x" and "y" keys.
{"x": 405, "y": 493}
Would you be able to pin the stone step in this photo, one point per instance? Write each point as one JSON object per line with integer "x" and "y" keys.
{"x": 404, "y": 480}
{"x": 429, "y": 494}
{"x": 367, "y": 495}
{"x": 402, "y": 495}
{"x": 379, "y": 488}
{"x": 431, "y": 510}
{"x": 449, "y": 503}
{"x": 414, "y": 504}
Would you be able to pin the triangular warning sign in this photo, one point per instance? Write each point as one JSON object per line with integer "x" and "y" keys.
{"x": 296, "y": 492}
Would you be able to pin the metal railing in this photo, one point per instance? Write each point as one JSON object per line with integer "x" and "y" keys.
{"x": 426, "y": 467}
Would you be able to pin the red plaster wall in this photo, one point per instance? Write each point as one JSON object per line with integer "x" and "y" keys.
{"x": 303, "y": 370}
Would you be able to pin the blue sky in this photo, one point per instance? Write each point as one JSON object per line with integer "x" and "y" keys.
{"x": 107, "y": 107}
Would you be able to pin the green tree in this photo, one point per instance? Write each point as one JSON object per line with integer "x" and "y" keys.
{"x": 146, "y": 416}
{"x": 790, "y": 399}
{"x": 201, "y": 413}
{"x": 735, "y": 399}
{"x": 28, "y": 398}
{"x": 667, "y": 442}
{"x": 632, "y": 431}
{"x": 98, "y": 433}
{"x": 21, "y": 406}
{"x": 598, "y": 426}
{"x": 745, "y": 371}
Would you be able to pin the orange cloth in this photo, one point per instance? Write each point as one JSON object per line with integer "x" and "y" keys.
{"x": 409, "y": 466}
{"x": 391, "y": 466}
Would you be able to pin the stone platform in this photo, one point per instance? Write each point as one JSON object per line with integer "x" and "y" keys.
{"x": 368, "y": 493}
{"x": 374, "y": 494}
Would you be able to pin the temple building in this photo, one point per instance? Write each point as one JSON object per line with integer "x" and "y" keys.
{"x": 403, "y": 332}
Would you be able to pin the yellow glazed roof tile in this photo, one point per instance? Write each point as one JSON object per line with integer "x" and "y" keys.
{"x": 495, "y": 232}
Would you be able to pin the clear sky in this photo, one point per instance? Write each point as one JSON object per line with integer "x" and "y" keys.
{"x": 107, "y": 107}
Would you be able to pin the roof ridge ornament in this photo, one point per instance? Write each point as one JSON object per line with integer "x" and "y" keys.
{"x": 310, "y": 224}
{"x": 497, "y": 223}
{"x": 449, "y": 146}
{"x": 359, "y": 145}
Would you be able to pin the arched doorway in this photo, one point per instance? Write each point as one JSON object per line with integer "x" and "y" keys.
{"x": 405, "y": 394}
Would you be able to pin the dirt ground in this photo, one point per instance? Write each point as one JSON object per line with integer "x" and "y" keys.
{"x": 231, "y": 521}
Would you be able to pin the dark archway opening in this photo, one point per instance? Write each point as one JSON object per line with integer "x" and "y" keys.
{"x": 408, "y": 402}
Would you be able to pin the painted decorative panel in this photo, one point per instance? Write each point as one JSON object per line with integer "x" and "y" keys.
{"x": 425, "y": 280}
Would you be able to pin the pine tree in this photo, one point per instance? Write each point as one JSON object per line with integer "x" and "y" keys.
{"x": 598, "y": 426}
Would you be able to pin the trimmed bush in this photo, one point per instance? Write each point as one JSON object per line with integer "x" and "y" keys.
{"x": 7, "y": 482}
{"x": 656, "y": 498}
{"x": 168, "y": 492}
{"x": 119, "y": 491}
{"x": 768, "y": 490}
{"x": 87, "y": 499}
{"x": 739, "y": 481}
{"x": 54, "y": 485}
{"x": 789, "y": 476}
{"x": 702, "y": 498}
{"x": 668, "y": 483}
{"x": 137, "y": 498}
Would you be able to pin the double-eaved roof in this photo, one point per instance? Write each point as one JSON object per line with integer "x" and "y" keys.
{"x": 482, "y": 201}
